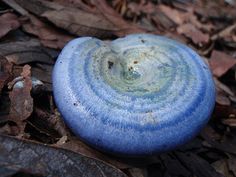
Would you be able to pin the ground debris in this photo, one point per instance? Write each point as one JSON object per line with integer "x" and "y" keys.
{"x": 220, "y": 63}
{"x": 18, "y": 155}
{"x": 8, "y": 22}
{"x": 21, "y": 100}
{"x": 33, "y": 32}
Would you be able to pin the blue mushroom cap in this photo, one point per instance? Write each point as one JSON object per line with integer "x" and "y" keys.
{"x": 137, "y": 95}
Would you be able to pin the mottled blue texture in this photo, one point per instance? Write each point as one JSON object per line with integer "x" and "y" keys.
{"x": 138, "y": 95}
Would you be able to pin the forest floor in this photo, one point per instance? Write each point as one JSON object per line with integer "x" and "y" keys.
{"x": 34, "y": 139}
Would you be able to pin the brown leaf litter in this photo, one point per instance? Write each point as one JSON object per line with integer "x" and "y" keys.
{"x": 21, "y": 100}
{"x": 8, "y": 22}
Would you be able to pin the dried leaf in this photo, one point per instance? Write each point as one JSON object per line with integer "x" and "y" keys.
{"x": 49, "y": 124}
{"x": 74, "y": 20}
{"x": 215, "y": 10}
{"x": 162, "y": 20}
{"x": 220, "y": 63}
{"x": 49, "y": 35}
{"x": 232, "y": 163}
{"x": 8, "y": 22}
{"x": 222, "y": 98}
{"x": 221, "y": 167}
{"x": 21, "y": 100}
{"x": 83, "y": 5}
{"x": 76, "y": 145}
{"x": 112, "y": 16}
{"x": 173, "y": 14}
{"x": 80, "y": 23}
{"x": 174, "y": 166}
{"x": 226, "y": 32}
{"x": 22, "y": 52}
{"x": 226, "y": 143}
{"x": 194, "y": 34}
{"x": 43, "y": 160}
{"x": 198, "y": 166}
{"x": 138, "y": 172}
{"x": 44, "y": 73}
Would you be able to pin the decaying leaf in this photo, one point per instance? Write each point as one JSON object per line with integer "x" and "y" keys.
{"x": 49, "y": 124}
{"x": 21, "y": 100}
{"x": 76, "y": 145}
{"x": 226, "y": 143}
{"x": 199, "y": 166}
{"x": 49, "y": 35}
{"x": 38, "y": 159}
{"x": 220, "y": 63}
{"x": 23, "y": 52}
{"x": 226, "y": 32}
{"x": 174, "y": 166}
{"x": 222, "y": 167}
{"x": 112, "y": 16}
{"x": 190, "y": 31}
{"x": 173, "y": 14}
{"x": 8, "y": 22}
{"x": 74, "y": 20}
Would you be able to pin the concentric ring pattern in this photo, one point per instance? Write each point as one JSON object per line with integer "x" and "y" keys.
{"x": 138, "y": 95}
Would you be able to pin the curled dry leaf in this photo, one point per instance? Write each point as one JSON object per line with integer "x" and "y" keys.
{"x": 49, "y": 35}
{"x": 220, "y": 63}
{"x": 23, "y": 52}
{"x": 8, "y": 22}
{"x": 42, "y": 160}
{"x": 21, "y": 100}
{"x": 190, "y": 31}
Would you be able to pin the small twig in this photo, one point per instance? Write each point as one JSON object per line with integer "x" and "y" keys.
{"x": 226, "y": 31}
{"x": 16, "y": 7}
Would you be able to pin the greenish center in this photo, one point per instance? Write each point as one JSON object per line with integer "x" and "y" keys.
{"x": 137, "y": 71}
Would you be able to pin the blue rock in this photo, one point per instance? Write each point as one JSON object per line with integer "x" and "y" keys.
{"x": 138, "y": 95}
